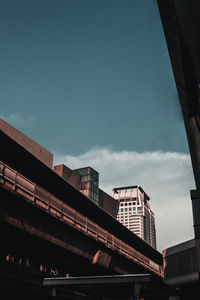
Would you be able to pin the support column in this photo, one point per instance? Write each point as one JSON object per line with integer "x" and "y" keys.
{"x": 137, "y": 291}
{"x": 53, "y": 292}
{"x": 195, "y": 197}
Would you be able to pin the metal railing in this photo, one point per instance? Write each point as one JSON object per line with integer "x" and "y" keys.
{"x": 39, "y": 197}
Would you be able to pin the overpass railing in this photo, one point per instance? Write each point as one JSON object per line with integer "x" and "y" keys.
{"x": 39, "y": 197}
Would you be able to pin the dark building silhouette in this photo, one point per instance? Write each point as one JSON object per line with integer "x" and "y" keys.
{"x": 181, "y": 24}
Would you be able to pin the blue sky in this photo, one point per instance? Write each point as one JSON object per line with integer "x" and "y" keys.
{"x": 90, "y": 73}
{"x": 91, "y": 81}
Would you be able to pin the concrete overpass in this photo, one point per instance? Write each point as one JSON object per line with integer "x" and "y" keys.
{"x": 50, "y": 229}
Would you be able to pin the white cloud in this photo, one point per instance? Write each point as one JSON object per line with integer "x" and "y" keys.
{"x": 165, "y": 176}
{"x": 16, "y": 119}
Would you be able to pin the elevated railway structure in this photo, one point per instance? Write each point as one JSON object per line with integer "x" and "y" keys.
{"x": 50, "y": 229}
{"x": 18, "y": 185}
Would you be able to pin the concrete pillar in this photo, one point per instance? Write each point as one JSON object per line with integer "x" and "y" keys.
{"x": 137, "y": 291}
{"x": 195, "y": 197}
{"x": 53, "y": 292}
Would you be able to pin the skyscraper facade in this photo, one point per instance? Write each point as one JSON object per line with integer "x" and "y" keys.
{"x": 135, "y": 213}
{"x": 89, "y": 183}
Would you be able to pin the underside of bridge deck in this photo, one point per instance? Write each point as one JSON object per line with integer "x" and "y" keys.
{"x": 27, "y": 232}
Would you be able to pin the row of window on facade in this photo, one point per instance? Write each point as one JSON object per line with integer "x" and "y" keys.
{"x": 122, "y": 209}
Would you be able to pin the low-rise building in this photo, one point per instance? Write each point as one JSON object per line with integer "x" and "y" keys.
{"x": 86, "y": 180}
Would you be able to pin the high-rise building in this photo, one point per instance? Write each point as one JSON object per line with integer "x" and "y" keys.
{"x": 135, "y": 213}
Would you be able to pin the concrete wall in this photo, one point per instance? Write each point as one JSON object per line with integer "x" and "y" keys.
{"x": 69, "y": 175}
{"x": 108, "y": 203}
{"x": 35, "y": 149}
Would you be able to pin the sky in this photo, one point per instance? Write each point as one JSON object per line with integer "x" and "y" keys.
{"x": 91, "y": 81}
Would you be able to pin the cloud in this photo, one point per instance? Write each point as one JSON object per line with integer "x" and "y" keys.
{"x": 17, "y": 120}
{"x": 165, "y": 176}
